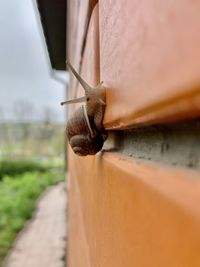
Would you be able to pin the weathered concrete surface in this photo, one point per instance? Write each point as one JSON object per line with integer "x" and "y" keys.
{"x": 175, "y": 144}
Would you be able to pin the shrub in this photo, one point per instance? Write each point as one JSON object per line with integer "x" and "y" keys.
{"x": 13, "y": 168}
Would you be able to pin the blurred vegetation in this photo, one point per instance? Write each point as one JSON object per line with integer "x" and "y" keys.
{"x": 17, "y": 200}
{"x": 20, "y": 166}
{"x": 39, "y": 141}
{"x": 31, "y": 159}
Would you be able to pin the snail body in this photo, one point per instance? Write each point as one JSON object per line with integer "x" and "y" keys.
{"x": 84, "y": 129}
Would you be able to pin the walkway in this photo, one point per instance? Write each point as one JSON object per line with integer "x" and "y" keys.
{"x": 42, "y": 243}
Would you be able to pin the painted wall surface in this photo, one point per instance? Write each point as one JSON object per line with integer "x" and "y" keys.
{"x": 150, "y": 60}
{"x": 123, "y": 212}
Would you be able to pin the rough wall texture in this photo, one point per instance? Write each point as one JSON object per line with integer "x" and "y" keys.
{"x": 133, "y": 214}
{"x": 150, "y": 60}
{"x": 136, "y": 202}
{"x": 176, "y": 144}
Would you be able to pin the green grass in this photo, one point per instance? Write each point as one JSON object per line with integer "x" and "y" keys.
{"x": 18, "y": 195}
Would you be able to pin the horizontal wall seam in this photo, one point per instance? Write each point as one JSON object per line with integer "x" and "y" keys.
{"x": 176, "y": 144}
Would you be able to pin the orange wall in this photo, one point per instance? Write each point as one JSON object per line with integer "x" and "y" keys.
{"x": 128, "y": 214}
{"x": 150, "y": 60}
{"x": 121, "y": 212}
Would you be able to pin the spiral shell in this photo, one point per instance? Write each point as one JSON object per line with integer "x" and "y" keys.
{"x": 79, "y": 136}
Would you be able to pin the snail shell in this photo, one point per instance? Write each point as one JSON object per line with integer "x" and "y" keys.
{"x": 79, "y": 135}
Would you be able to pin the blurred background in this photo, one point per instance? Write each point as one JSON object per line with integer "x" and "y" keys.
{"x": 31, "y": 118}
{"x": 30, "y": 113}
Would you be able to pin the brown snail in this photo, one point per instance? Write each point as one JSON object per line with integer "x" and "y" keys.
{"x": 84, "y": 129}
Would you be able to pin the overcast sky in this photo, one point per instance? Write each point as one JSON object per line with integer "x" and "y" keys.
{"x": 24, "y": 63}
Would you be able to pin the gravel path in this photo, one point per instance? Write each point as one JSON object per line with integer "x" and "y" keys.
{"x": 42, "y": 242}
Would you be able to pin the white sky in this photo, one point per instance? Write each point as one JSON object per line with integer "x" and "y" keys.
{"x": 24, "y": 63}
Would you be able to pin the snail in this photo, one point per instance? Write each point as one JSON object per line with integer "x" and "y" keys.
{"x": 85, "y": 130}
